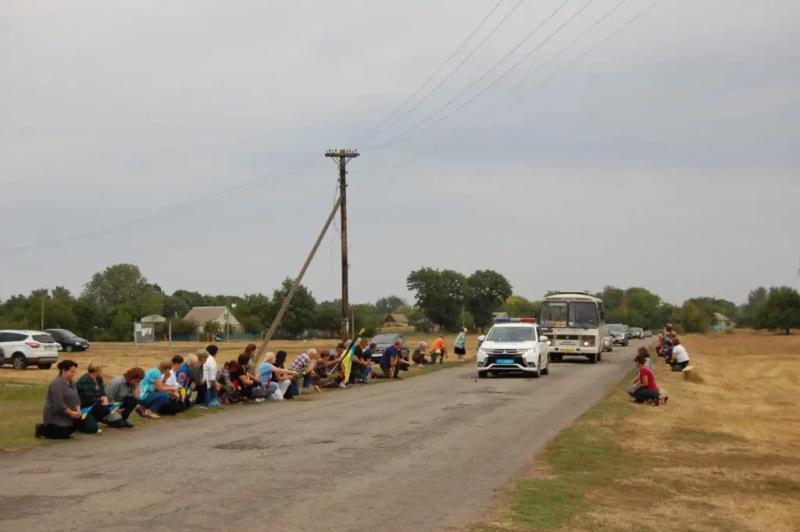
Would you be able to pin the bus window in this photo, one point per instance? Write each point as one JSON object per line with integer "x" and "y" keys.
{"x": 553, "y": 314}
{"x": 582, "y": 314}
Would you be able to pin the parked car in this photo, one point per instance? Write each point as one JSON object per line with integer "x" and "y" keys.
{"x": 619, "y": 334}
{"x": 382, "y": 341}
{"x": 637, "y": 332}
{"x": 648, "y": 333}
{"x": 28, "y": 348}
{"x": 68, "y": 340}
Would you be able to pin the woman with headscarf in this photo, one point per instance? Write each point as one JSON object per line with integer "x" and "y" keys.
{"x": 460, "y": 345}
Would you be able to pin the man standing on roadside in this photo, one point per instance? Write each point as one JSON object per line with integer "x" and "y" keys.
{"x": 392, "y": 361}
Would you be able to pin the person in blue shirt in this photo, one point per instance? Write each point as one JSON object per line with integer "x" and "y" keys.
{"x": 274, "y": 379}
{"x": 392, "y": 361}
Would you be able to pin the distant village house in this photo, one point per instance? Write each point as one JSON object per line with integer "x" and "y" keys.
{"x": 395, "y": 321}
{"x": 722, "y": 322}
{"x": 219, "y": 315}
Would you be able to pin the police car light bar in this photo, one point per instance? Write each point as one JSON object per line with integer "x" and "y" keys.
{"x": 516, "y": 320}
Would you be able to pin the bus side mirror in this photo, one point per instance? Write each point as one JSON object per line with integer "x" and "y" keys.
{"x": 481, "y": 339}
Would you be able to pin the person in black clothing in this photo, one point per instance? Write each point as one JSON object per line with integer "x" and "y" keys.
{"x": 362, "y": 363}
{"x": 92, "y": 392}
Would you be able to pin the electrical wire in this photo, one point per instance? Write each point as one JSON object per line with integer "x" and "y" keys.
{"x": 159, "y": 213}
{"x": 378, "y": 127}
{"x": 455, "y": 70}
{"x": 446, "y": 139}
{"x": 411, "y": 134}
{"x": 480, "y": 78}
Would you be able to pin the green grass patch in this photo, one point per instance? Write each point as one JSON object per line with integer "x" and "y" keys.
{"x": 579, "y": 459}
{"x": 21, "y": 406}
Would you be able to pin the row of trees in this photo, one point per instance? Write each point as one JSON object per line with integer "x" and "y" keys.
{"x": 116, "y": 297}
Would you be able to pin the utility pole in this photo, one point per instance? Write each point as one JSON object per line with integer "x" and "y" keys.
{"x": 341, "y": 157}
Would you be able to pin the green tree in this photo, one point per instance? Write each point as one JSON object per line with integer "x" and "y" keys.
{"x": 328, "y": 318}
{"x": 389, "y": 304}
{"x": 754, "y": 308}
{"x": 300, "y": 314}
{"x": 519, "y": 307}
{"x": 487, "y": 291}
{"x": 119, "y": 295}
{"x": 367, "y": 317}
{"x": 691, "y": 319}
{"x": 440, "y": 294}
{"x": 781, "y": 310}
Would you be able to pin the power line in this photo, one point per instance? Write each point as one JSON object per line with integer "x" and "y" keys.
{"x": 141, "y": 221}
{"x": 456, "y": 69}
{"x": 480, "y": 78}
{"x": 446, "y": 139}
{"x": 291, "y": 170}
{"x": 458, "y": 49}
{"x": 411, "y": 134}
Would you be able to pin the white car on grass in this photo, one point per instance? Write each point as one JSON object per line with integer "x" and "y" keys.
{"x": 513, "y": 346}
{"x": 28, "y": 348}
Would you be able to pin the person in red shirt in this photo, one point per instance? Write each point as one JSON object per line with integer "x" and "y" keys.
{"x": 647, "y": 390}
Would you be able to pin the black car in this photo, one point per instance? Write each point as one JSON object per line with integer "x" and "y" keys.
{"x": 68, "y": 340}
{"x": 382, "y": 341}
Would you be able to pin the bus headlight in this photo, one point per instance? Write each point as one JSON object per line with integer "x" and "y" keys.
{"x": 588, "y": 341}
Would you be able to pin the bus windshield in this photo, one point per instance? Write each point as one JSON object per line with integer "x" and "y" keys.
{"x": 553, "y": 314}
{"x": 582, "y": 314}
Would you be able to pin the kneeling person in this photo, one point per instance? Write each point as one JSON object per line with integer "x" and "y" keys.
{"x": 392, "y": 361}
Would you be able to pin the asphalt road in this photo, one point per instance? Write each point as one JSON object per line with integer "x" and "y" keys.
{"x": 418, "y": 454}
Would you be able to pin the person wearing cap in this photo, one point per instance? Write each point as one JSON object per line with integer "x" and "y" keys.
{"x": 392, "y": 361}
{"x": 460, "y": 345}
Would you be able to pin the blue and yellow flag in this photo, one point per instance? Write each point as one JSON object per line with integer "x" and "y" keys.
{"x": 347, "y": 359}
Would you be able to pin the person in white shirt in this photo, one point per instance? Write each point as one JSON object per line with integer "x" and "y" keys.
{"x": 680, "y": 357}
{"x": 210, "y": 378}
{"x": 172, "y": 380}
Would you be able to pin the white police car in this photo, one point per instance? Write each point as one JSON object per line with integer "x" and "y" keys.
{"x": 513, "y": 345}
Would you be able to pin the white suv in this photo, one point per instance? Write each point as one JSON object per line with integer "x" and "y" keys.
{"x": 513, "y": 346}
{"x": 27, "y": 348}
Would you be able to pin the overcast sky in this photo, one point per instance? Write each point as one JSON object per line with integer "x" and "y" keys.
{"x": 666, "y": 158}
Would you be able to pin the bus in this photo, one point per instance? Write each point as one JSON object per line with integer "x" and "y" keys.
{"x": 574, "y": 323}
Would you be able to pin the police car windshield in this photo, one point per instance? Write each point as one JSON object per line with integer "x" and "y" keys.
{"x": 510, "y": 334}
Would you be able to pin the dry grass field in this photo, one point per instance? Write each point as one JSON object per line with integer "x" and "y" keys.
{"x": 723, "y": 454}
{"x": 119, "y": 357}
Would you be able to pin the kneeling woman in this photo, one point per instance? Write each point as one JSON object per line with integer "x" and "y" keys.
{"x": 62, "y": 409}
{"x": 646, "y": 391}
